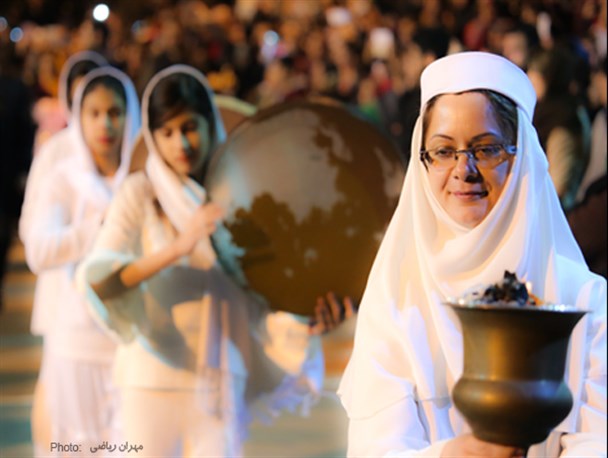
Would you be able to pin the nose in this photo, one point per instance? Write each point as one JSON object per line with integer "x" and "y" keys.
{"x": 184, "y": 143}
{"x": 108, "y": 123}
{"x": 466, "y": 166}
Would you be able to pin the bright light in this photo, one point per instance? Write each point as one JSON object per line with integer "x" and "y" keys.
{"x": 3, "y": 24}
{"x": 16, "y": 34}
{"x": 271, "y": 38}
{"x": 101, "y": 12}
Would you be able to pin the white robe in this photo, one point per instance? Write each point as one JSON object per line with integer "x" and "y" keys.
{"x": 49, "y": 282}
{"x": 408, "y": 345}
{"x": 63, "y": 216}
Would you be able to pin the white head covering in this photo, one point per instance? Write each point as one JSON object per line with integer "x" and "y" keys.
{"x": 178, "y": 196}
{"x": 82, "y": 160}
{"x": 69, "y": 64}
{"x": 408, "y": 343}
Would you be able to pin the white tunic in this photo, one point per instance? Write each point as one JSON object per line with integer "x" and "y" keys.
{"x": 190, "y": 328}
{"x": 408, "y": 345}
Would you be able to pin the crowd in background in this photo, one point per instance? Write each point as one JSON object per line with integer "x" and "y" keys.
{"x": 366, "y": 54}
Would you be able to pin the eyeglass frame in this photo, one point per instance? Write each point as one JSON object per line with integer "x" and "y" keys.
{"x": 511, "y": 150}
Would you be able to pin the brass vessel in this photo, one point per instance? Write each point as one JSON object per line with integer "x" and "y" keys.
{"x": 512, "y": 389}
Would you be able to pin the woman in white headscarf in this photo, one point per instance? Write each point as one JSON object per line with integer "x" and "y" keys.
{"x": 51, "y": 152}
{"x": 49, "y": 282}
{"x": 70, "y": 204}
{"x": 478, "y": 202}
{"x": 195, "y": 352}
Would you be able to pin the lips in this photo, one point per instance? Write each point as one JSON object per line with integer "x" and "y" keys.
{"x": 470, "y": 195}
{"x": 106, "y": 140}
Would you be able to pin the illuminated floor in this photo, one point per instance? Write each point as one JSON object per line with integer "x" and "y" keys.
{"x": 322, "y": 434}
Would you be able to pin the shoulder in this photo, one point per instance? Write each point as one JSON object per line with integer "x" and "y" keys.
{"x": 582, "y": 287}
{"x": 136, "y": 189}
{"x": 52, "y": 152}
{"x": 56, "y": 147}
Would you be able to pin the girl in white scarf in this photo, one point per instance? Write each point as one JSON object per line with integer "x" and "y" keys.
{"x": 53, "y": 151}
{"x": 62, "y": 223}
{"x": 49, "y": 283}
{"x": 456, "y": 232}
{"x": 195, "y": 352}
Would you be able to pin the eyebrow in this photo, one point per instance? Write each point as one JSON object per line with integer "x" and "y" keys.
{"x": 474, "y": 139}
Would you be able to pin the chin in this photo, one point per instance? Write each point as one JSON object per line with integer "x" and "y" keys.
{"x": 468, "y": 219}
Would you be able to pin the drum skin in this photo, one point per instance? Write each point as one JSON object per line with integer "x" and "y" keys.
{"x": 308, "y": 190}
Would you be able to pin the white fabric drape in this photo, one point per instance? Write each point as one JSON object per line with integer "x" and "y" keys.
{"x": 63, "y": 92}
{"x": 407, "y": 343}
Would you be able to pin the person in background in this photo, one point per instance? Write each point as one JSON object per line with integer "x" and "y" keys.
{"x": 16, "y": 139}
{"x": 517, "y": 44}
{"x": 50, "y": 282}
{"x": 562, "y": 123}
{"x": 599, "y": 145}
{"x": 588, "y": 217}
{"x": 427, "y": 46}
{"x": 77, "y": 397}
{"x": 478, "y": 201}
{"x": 197, "y": 357}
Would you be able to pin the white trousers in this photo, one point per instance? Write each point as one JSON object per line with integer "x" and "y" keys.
{"x": 75, "y": 407}
{"x": 170, "y": 423}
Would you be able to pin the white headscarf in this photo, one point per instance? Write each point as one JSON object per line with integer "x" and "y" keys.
{"x": 408, "y": 343}
{"x": 178, "y": 196}
{"x": 86, "y": 176}
{"x": 69, "y": 64}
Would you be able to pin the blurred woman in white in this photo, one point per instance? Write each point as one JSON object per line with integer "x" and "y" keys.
{"x": 195, "y": 351}
{"x": 49, "y": 282}
{"x": 65, "y": 216}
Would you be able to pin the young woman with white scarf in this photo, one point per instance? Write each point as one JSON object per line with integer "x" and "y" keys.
{"x": 51, "y": 152}
{"x": 195, "y": 352}
{"x": 49, "y": 283}
{"x": 455, "y": 228}
{"x": 64, "y": 218}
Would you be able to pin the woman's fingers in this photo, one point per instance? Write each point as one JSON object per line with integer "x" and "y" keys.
{"x": 349, "y": 308}
{"x": 330, "y": 312}
{"x": 336, "y": 308}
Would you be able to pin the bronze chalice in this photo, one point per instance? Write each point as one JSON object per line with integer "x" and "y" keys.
{"x": 512, "y": 389}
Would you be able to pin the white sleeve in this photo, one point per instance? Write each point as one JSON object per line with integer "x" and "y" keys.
{"x": 395, "y": 431}
{"x": 116, "y": 246}
{"x": 53, "y": 238}
{"x": 590, "y": 440}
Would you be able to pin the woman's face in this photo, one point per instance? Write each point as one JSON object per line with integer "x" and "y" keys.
{"x": 183, "y": 142}
{"x": 102, "y": 118}
{"x": 460, "y": 121}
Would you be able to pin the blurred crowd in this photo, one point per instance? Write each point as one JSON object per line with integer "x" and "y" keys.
{"x": 367, "y": 54}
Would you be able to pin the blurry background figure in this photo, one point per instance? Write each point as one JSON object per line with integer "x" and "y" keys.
{"x": 588, "y": 223}
{"x": 518, "y": 43}
{"x": 588, "y": 218}
{"x": 75, "y": 399}
{"x": 427, "y": 46}
{"x": 597, "y": 160}
{"x": 16, "y": 137}
{"x": 48, "y": 152}
{"x": 561, "y": 121}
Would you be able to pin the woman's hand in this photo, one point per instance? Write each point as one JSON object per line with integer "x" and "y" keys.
{"x": 468, "y": 445}
{"x": 202, "y": 224}
{"x": 330, "y": 312}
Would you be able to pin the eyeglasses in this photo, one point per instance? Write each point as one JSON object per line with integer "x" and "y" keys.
{"x": 485, "y": 156}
